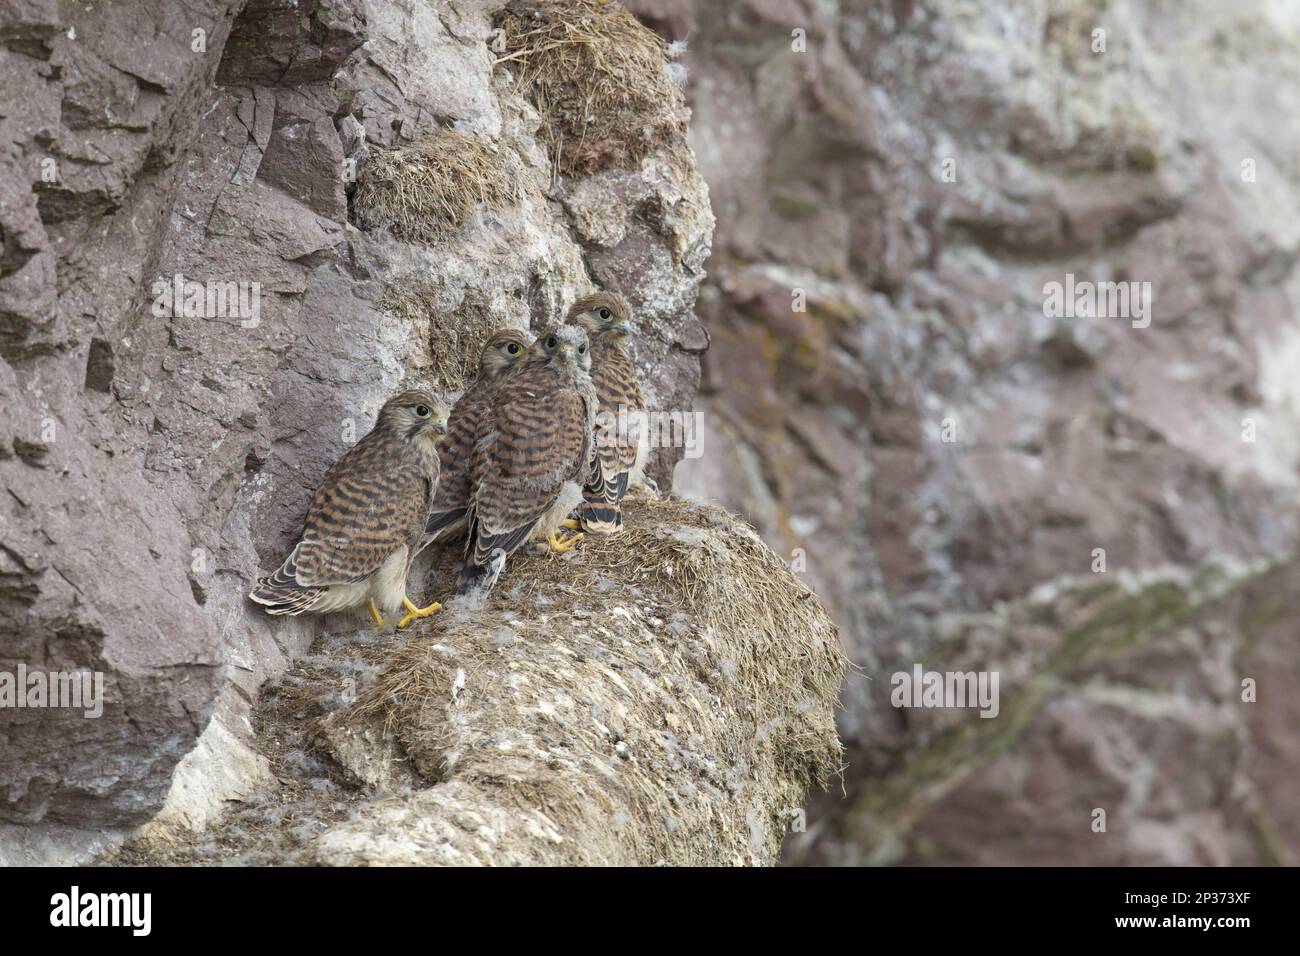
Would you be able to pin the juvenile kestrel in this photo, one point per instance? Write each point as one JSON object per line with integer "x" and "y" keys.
{"x": 534, "y": 455}
{"x": 449, "y": 516}
{"x": 620, "y": 439}
{"x": 366, "y": 519}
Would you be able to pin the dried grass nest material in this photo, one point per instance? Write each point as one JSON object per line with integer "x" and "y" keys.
{"x": 598, "y": 77}
{"x": 424, "y": 191}
{"x": 663, "y": 695}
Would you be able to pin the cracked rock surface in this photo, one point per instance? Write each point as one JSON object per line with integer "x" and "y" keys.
{"x": 155, "y": 458}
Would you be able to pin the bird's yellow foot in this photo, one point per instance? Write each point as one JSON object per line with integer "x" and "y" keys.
{"x": 414, "y": 612}
{"x": 562, "y": 545}
{"x": 573, "y": 524}
{"x": 374, "y": 612}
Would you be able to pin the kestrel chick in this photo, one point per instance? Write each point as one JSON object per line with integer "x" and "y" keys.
{"x": 534, "y": 455}
{"x": 449, "y": 516}
{"x": 620, "y": 439}
{"x": 366, "y": 519}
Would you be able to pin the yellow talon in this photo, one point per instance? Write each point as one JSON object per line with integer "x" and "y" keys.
{"x": 374, "y": 612}
{"x": 414, "y": 612}
{"x": 573, "y": 524}
{"x": 562, "y": 545}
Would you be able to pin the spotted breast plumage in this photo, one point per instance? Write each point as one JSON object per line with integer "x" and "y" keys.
{"x": 534, "y": 454}
{"x": 620, "y": 440}
{"x": 366, "y": 519}
{"x": 449, "y": 517}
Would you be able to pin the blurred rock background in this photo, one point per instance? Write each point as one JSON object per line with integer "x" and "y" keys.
{"x": 1167, "y": 156}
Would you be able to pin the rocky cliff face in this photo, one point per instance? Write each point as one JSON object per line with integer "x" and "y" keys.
{"x": 158, "y": 446}
{"x": 1100, "y": 509}
{"x": 891, "y": 402}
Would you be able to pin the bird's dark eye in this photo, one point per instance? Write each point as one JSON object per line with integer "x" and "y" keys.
{"x": 605, "y": 313}
{"x": 422, "y": 411}
{"x": 512, "y": 348}
{"x": 551, "y": 342}
{"x": 582, "y": 349}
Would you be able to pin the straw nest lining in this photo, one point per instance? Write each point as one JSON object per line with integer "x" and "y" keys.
{"x": 597, "y": 76}
{"x": 663, "y": 695}
{"x": 424, "y": 191}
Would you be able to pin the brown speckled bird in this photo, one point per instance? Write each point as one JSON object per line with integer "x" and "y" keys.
{"x": 449, "y": 516}
{"x": 620, "y": 436}
{"x": 366, "y": 519}
{"x": 534, "y": 455}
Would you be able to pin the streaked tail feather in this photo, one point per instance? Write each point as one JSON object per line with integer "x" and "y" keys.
{"x": 280, "y": 591}
{"x": 601, "y": 512}
{"x": 474, "y": 576}
{"x": 485, "y": 555}
{"x": 600, "y": 517}
{"x": 284, "y": 597}
{"x": 600, "y": 488}
{"x": 446, "y": 524}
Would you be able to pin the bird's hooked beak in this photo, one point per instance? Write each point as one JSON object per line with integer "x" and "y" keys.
{"x": 622, "y": 328}
{"x": 428, "y": 430}
{"x": 568, "y": 354}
